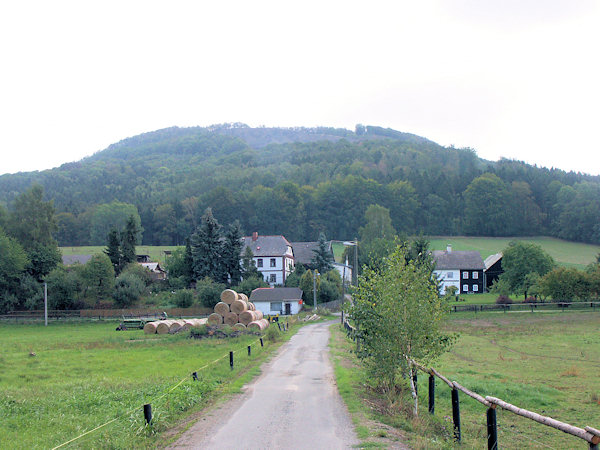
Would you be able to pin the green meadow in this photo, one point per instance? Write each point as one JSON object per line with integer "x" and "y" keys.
{"x": 156, "y": 252}
{"x": 545, "y": 362}
{"x": 60, "y": 381}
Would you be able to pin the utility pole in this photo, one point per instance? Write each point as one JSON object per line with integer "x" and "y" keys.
{"x": 355, "y": 269}
{"x": 45, "y": 304}
{"x": 315, "y": 273}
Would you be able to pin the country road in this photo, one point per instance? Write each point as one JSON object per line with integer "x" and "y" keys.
{"x": 294, "y": 404}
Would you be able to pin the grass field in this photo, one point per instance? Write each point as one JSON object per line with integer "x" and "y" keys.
{"x": 545, "y": 362}
{"x": 565, "y": 253}
{"x": 156, "y": 252}
{"x": 86, "y": 374}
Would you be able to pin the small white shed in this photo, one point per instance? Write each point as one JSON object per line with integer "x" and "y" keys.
{"x": 279, "y": 300}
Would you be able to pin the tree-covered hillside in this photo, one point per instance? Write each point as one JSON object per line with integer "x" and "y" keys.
{"x": 303, "y": 181}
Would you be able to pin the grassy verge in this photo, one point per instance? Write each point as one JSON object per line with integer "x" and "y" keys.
{"x": 61, "y": 381}
{"x": 547, "y": 363}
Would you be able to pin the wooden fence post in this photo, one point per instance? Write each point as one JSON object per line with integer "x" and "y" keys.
{"x": 231, "y": 360}
{"x": 431, "y": 394}
{"x": 492, "y": 430}
{"x": 249, "y": 350}
{"x": 261, "y": 343}
{"x": 415, "y": 379}
{"x": 456, "y": 414}
{"x": 148, "y": 414}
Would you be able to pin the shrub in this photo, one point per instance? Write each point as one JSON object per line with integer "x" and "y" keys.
{"x": 530, "y": 300}
{"x": 128, "y": 289}
{"x": 273, "y": 334}
{"x": 184, "y": 298}
{"x": 503, "y": 300}
{"x": 209, "y": 292}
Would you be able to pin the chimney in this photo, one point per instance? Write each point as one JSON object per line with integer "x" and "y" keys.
{"x": 449, "y": 248}
{"x": 255, "y": 236}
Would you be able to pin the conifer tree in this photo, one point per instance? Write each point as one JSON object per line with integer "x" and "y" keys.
{"x": 232, "y": 250}
{"x": 113, "y": 249}
{"x": 322, "y": 259}
{"x": 128, "y": 242}
{"x": 207, "y": 250}
{"x": 249, "y": 269}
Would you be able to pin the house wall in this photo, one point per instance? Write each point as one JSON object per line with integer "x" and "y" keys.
{"x": 448, "y": 278}
{"x": 345, "y": 271}
{"x": 471, "y": 282}
{"x": 267, "y": 307}
{"x": 283, "y": 266}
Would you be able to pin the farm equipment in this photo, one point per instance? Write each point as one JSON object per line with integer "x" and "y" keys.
{"x": 138, "y": 322}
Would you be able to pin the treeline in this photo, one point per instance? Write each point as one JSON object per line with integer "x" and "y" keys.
{"x": 275, "y": 185}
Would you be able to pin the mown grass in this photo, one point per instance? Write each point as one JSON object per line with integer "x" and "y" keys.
{"x": 86, "y": 374}
{"x": 565, "y": 253}
{"x": 545, "y": 362}
{"x": 156, "y": 252}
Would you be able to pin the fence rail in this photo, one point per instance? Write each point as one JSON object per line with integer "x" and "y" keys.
{"x": 588, "y": 434}
{"x": 533, "y": 307}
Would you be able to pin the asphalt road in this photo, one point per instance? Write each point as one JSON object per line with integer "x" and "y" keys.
{"x": 294, "y": 404}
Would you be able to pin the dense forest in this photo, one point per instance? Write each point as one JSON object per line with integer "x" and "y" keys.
{"x": 300, "y": 182}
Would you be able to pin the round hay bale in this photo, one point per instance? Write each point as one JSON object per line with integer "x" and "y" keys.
{"x": 257, "y": 325}
{"x": 163, "y": 326}
{"x": 259, "y": 315}
{"x": 239, "y": 326}
{"x": 239, "y": 306}
{"x": 246, "y": 317}
{"x": 215, "y": 319}
{"x": 187, "y": 324}
{"x": 251, "y": 306}
{"x": 242, "y": 296}
{"x": 229, "y": 296}
{"x": 200, "y": 322}
{"x": 265, "y": 322}
{"x": 150, "y": 328}
{"x": 230, "y": 318}
{"x": 222, "y": 308}
{"x": 176, "y": 326}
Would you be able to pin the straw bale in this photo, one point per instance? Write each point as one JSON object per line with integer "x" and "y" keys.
{"x": 163, "y": 326}
{"x": 222, "y": 308}
{"x": 229, "y": 296}
{"x": 150, "y": 328}
{"x": 231, "y": 318}
{"x": 239, "y": 306}
{"x": 246, "y": 317}
{"x": 215, "y": 319}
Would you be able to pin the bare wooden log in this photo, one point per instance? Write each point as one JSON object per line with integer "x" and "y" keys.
{"x": 442, "y": 377}
{"x": 472, "y": 394}
{"x": 596, "y": 433}
{"x": 544, "y": 420}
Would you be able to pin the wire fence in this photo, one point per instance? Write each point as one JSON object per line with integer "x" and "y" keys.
{"x": 146, "y": 406}
{"x": 588, "y": 434}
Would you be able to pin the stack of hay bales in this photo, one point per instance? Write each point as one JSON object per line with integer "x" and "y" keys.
{"x": 172, "y": 326}
{"x": 237, "y": 311}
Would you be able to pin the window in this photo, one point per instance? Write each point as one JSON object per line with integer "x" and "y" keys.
{"x": 276, "y": 307}
{"x": 273, "y": 263}
{"x": 465, "y": 275}
{"x": 272, "y": 278}
{"x": 475, "y": 288}
{"x": 450, "y": 275}
{"x": 259, "y": 262}
{"x": 475, "y": 275}
{"x": 465, "y": 288}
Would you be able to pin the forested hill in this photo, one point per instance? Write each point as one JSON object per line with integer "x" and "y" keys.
{"x": 300, "y": 181}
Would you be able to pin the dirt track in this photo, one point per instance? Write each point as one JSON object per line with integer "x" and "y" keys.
{"x": 293, "y": 404}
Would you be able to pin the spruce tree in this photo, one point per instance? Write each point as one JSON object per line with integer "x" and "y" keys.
{"x": 322, "y": 259}
{"x": 249, "y": 269}
{"x": 188, "y": 263}
{"x": 113, "y": 249}
{"x": 128, "y": 242}
{"x": 207, "y": 250}
{"x": 232, "y": 250}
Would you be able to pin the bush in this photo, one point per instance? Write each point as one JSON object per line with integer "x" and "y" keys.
{"x": 249, "y": 284}
{"x": 530, "y": 300}
{"x": 209, "y": 292}
{"x": 184, "y": 298}
{"x": 128, "y": 289}
{"x": 504, "y": 300}
{"x": 273, "y": 334}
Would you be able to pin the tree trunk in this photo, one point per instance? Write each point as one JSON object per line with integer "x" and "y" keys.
{"x": 413, "y": 391}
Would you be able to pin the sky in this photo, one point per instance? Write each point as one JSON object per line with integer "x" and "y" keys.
{"x": 517, "y": 79}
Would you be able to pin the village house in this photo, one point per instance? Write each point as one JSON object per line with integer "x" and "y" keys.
{"x": 304, "y": 253}
{"x": 279, "y": 300}
{"x": 273, "y": 256}
{"x": 461, "y": 269}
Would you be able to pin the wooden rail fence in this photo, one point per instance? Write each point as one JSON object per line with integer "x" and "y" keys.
{"x": 533, "y": 307}
{"x": 588, "y": 434}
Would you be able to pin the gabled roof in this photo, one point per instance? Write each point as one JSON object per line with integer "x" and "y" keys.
{"x": 266, "y": 245}
{"x": 278, "y": 294}
{"x": 491, "y": 260}
{"x": 457, "y": 259}
{"x": 304, "y": 252}
{"x": 69, "y": 260}
{"x": 152, "y": 266}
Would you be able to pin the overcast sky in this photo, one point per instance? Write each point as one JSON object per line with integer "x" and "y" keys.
{"x": 510, "y": 78}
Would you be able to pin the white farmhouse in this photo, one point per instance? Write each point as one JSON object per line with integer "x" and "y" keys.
{"x": 462, "y": 269}
{"x": 273, "y": 256}
{"x": 272, "y": 301}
